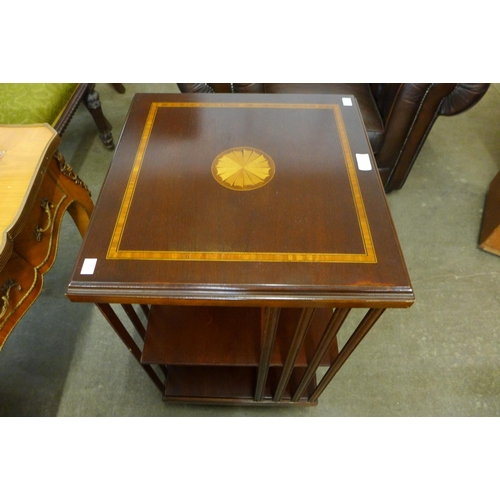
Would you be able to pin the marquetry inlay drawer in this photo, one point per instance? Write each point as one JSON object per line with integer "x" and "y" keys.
{"x": 36, "y": 239}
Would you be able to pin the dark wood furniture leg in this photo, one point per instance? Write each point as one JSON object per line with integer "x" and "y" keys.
{"x": 119, "y": 87}
{"x": 93, "y": 104}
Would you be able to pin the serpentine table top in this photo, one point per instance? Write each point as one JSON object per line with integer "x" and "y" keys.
{"x": 23, "y": 150}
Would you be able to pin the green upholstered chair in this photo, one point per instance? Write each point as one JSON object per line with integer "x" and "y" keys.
{"x": 53, "y": 103}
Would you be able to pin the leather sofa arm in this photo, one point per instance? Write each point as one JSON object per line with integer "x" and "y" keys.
{"x": 409, "y": 118}
{"x": 463, "y": 98}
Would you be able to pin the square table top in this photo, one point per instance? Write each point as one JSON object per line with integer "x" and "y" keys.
{"x": 235, "y": 198}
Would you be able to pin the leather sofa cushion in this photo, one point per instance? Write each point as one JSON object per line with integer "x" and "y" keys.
{"x": 361, "y": 91}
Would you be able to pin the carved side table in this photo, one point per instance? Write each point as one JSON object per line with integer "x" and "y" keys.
{"x": 36, "y": 188}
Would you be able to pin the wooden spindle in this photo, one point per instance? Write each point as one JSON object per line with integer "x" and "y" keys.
{"x": 363, "y": 328}
{"x": 122, "y": 332}
{"x": 331, "y": 330}
{"x": 270, "y": 326}
{"x": 298, "y": 339}
{"x": 134, "y": 318}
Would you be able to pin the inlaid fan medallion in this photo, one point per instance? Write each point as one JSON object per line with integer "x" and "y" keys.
{"x": 243, "y": 168}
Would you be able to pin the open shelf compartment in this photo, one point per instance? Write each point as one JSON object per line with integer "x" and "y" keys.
{"x": 226, "y": 336}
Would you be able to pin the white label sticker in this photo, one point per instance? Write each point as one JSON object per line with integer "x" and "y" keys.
{"x": 364, "y": 162}
{"x": 88, "y": 266}
{"x": 346, "y": 101}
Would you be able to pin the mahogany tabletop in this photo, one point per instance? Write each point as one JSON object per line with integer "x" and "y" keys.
{"x": 237, "y": 199}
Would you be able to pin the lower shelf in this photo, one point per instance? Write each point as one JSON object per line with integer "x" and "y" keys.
{"x": 229, "y": 385}
{"x": 227, "y": 336}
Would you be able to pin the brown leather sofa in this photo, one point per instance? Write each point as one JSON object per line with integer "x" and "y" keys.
{"x": 398, "y": 116}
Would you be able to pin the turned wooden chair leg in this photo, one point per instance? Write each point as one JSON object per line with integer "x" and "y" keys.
{"x": 93, "y": 104}
{"x": 119, "y": 87}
